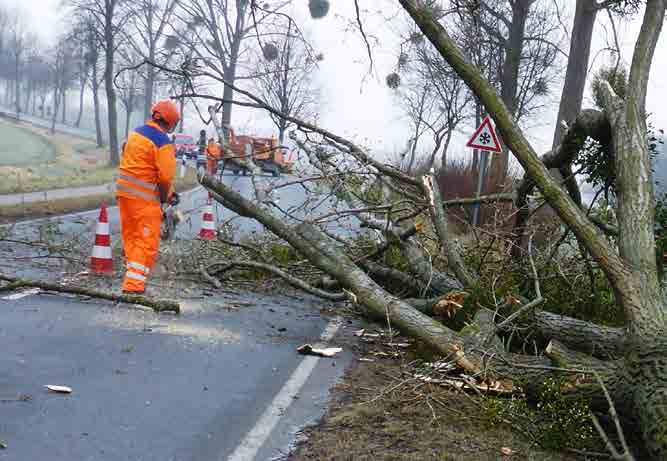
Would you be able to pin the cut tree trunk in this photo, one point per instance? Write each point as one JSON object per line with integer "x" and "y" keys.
{"x": 466, "y": 349}
{"x": 157, "y": 305}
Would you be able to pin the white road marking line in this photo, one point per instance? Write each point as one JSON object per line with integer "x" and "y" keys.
{"x": 23, "y": 294}
{"x": 253, "y": 440}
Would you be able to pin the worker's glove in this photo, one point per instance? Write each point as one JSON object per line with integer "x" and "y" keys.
{"x": 175, "y": 199}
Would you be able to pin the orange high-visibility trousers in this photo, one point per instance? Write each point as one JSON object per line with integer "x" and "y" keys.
{"x": 140, "y": 222}
{"x": 211, "y": 166}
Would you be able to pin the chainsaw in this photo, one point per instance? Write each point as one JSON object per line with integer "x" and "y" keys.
{"x": 171, "y": 216}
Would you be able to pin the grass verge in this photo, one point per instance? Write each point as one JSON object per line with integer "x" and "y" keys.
{"x": 14, "y": 213}
{"x": 20, "y": 146}
{"x": 377, "y": 413}
{"x": 66, "y": 161}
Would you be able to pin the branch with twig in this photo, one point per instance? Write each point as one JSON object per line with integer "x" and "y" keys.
{"x": 158, "y": 305}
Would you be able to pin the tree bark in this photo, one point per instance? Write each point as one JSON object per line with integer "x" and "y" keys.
{"x": 17, "y": 82}
{"x": 149, "y": 82}
{"x": 589, "y": 123}
{"x": 56, "y": 106}
{"x": 156, "y": 304}
{"x": 114, "y": 158}
{"x": 577, "y": 66}
{"x": 82, "y": 91}
{"x": 230, "y": 69}
{"x": 96, "y": 108}
{"x": 64, "y": 104}
{"x": 128, "y": 116}
{"x": 510, "y": 76}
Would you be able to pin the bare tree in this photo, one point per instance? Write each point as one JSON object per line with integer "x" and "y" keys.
{"x": 106, "y": 20}
{"x": 129, "y": 89}
{"x": 525, "y": 35}
{"x": 61, "y": 70}
{"x": 285, "y": 79}
{"x": 150, "y": 20}
{"x": 432, "y": 96}
{"x": 219, "y": 29}
{"x": 19, "y": 43}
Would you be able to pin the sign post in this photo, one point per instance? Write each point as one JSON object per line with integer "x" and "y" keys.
{"x": 485, "y": 140}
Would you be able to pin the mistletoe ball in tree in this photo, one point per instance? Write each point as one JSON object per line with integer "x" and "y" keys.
{"x": 318, "y": 8}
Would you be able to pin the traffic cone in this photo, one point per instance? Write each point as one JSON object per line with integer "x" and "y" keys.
{"x": 100, "y": 261}
{"x": 207, "y": 231}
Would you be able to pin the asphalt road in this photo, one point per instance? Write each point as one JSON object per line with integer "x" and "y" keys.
{"x": 222, "y": 381}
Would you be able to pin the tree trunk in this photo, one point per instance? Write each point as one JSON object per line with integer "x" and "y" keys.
{"x": 182, "y": 109}
{"x": 282, "y": 129}
{"x": 230, "y": 71}
{"x": 510, "y": 77}
{"x": 114, "y": 158}
{"x": 128, "y": 116}
{"x": 96, "y": 105}
{"x": 149, "y": 84}
{"x": 56, "y": 104}
{"x": 26, "y": 103}
{"x": 81, "y": 95}
{"x": 64, "y": 103}
{"x": 17, "y": 92}
{"x": 577, "y": 66}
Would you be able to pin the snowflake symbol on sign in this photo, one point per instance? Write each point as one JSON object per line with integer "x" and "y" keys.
{"x": 485, "y": 138}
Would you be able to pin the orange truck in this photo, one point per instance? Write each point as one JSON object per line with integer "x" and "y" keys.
{"x": 266, "y": 153}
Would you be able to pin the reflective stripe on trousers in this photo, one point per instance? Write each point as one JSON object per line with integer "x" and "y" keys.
{"x": 140, "y": 226}
{"x": 134, "y": 275}
{"x": 139, "y": 267}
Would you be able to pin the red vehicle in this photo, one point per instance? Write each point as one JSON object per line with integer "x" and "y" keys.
{"x": 185, "y": 145}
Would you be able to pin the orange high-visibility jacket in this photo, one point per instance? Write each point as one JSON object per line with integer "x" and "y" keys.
{"x": 213, "y": 151}
{"x": 149, "y": 159}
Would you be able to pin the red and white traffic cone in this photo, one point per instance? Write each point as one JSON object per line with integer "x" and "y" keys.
{"x": 207, "y": 231}
{"x": 101, "y": 261}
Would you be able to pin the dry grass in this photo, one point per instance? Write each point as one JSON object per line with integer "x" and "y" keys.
{"x": 378, "y": 415}
{"x": 458, "y": 179}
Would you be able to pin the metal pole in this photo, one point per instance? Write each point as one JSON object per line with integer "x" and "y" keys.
{"x": 480, "y": 184}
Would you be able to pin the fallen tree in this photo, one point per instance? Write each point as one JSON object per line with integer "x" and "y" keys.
{"x": 641, "y": 375}
{"x": 626, "y": 365}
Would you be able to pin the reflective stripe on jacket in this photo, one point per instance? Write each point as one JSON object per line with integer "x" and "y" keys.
{"x": 149, "y": 159}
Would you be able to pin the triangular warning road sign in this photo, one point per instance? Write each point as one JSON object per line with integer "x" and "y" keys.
{"x": 485, "y": 137}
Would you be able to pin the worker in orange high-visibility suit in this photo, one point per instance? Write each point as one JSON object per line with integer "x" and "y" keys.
{"x": 212, "y": 156}
{"x": 145, "y": 183}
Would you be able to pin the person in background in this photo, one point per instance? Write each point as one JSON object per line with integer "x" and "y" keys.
{"x": 212, "y": 157}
